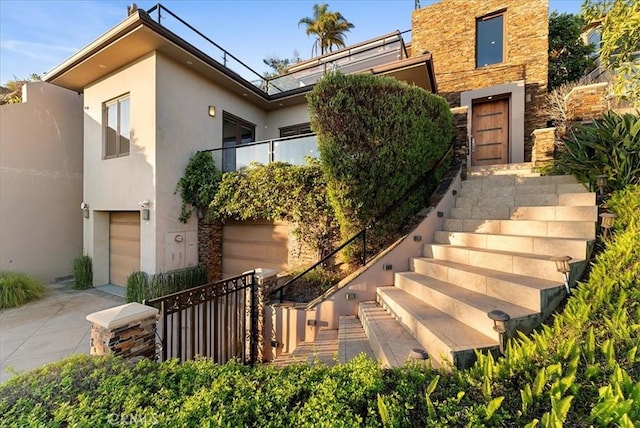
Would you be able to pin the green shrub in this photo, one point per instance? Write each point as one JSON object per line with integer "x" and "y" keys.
{"x": 199, "y": 184}
{"x": 279, "y": 191}
{"x": 610, "y": 146}
{"x": 17, "y": 289}
{"x": 82, "y": 273}
{"x": 141, "y": 286}
{"x": 376, "y": 138}
{"x": 311, "y": 285}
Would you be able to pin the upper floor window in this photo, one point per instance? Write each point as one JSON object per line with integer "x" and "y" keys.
{"x": 490, "y": 39}
{"x": 117, "y": 127}
{"x": 300, "y": 129}
{"x": 235, "y": 133}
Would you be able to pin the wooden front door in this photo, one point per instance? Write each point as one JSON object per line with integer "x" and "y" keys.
{"x": 124, "y": 246}
{"x": 490, "y": 132}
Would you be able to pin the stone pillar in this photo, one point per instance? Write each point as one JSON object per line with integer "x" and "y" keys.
{"x": 127, "y": 330}
{"x": 461, "y": 137}
{"x": 543, "y": 146}
{"x": 267, "y": 279}
{"x": 210, "y": 248}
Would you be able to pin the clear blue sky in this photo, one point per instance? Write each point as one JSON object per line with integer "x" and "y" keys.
{"x": 37, "y": 35}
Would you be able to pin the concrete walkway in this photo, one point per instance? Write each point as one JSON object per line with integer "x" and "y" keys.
{"x": 49, "y": 329}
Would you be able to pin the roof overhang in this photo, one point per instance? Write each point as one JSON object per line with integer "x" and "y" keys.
{"x": 139, "y": 35}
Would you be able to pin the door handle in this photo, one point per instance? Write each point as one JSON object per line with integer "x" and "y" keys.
{"x": 473, "y": 145}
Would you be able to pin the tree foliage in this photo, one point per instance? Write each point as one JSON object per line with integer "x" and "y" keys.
{"x": 619, "y": 23}
{"x": 568, "y": 55}
{"x": 328, "y": 28}
{"x": 376, "y": 138}
{"x": 13, "y": 93}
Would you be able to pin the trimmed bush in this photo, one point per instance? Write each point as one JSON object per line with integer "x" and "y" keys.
{"x": 16, "y": 289}
{"x": 610, "y": 146}
{"x": 376, "y": 138}
{"x": 141, "y": 286}
{"x": 82, "y": 273}
{"x": 199, "y": 184}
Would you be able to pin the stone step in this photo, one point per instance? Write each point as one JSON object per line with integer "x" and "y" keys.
{"x": 503, "y": 169}
{"x": 352, "y": 340}
{"x": 532, "y": 199}
{"x": 526, "y": 291}
{"x": 496, "y": 187}
{"x": 467, "y": 306}
{"x": 536, "y": 265}
{"x": 574, "y": 247}
{"x": 446, "y": 339}
{"x": 569, "y": 229}
{"x": 390, "y": 342}
{"x": 501, "y": 212}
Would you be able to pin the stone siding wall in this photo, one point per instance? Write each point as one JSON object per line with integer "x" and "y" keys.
{"x": 210, "y": 248}
{"x": 447, "y": 30}
{"x": 586, "y": 103}
{"x": 543, "y": 146}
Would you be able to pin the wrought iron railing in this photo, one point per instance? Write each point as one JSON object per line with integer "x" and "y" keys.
{"x": 362, "y": 234}
{"x": 293, "y": 150}
{"x": 217, "y": 320}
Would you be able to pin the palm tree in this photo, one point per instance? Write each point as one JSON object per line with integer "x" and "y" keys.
{"x": 329, "y": 28}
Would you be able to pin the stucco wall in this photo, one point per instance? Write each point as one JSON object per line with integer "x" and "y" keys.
{"x": 286, "y": 116}
{"x": 119, "y": 184}
{"x": 41, "y": 182}
{"x": 447, "y": 29}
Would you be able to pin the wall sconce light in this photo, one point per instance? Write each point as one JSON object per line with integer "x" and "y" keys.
{"x": 601, "y": 182}
{"x": 499, "y": 319}
{"x": 212, "y": 111}
{"x": 387, "y": 266}
{"x": 417, "y": 238}
{"x": 85, "y": 209}
{"x": 311, "y": 323}
{"x": 418, "y": 354}
{"x": 144, "y": 209}
{"x": 350, "y": 296}
{"x": 562, "y": 266}
{"x": 606, "y": 222}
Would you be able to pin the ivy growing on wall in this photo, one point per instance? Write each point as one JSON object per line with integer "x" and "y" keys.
{"x": 279, "y": 191}
{"x": 199, "y": 184}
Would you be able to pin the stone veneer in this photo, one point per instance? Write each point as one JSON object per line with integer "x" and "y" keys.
{"x": 210, "y": 248}
{"x": 447, "y": 30}
{"x": 128, "y": 331}
{"x": 543, "y": 146}
{"x": 586, "y": 103}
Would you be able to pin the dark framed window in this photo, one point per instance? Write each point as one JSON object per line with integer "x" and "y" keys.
{"x": 117, "y": 127}
{"x": 235, "y": 132}
{"x": 300, "y": 129}
{"x": 490, "y": 39}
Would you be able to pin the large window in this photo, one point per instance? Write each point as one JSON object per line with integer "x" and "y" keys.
{"x": 235, "y": 132}
{"x": 490, "y": 39}
{"x": 117, "y": 128}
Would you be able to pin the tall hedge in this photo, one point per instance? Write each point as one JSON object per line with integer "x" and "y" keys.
{"x": 376, "y": 137}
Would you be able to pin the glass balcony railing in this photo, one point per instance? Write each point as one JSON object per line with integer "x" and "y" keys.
{"x": 293, "y": 150}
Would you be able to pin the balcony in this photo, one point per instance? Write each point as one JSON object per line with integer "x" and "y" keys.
{"x": 293, "y": 150}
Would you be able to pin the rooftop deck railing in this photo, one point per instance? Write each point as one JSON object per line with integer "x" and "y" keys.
{"x": 293, "y": 150}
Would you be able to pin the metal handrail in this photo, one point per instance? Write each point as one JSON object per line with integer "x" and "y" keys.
{"x": 416, "y": 185}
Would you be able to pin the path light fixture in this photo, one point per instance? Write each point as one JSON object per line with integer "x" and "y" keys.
{"x": 144, "y": 209}
{"x": 562, "y": 266}
{"x": 606, "y": 222}
{"x": 500, "y": 319}
{"x": 601, "y": 182}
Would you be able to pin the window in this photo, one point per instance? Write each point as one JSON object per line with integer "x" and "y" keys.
{"x": 490, "y": 39}
{"x": 117, "y": 128}
{"x": 235, "y": 132}
{"x": 301, "y": 129}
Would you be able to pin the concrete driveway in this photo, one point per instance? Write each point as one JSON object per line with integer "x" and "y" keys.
{"x": 49, "y": 329}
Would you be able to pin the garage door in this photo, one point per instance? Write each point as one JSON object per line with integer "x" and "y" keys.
{"x": 124, "y": 246}
{"x": 247, "y": 245}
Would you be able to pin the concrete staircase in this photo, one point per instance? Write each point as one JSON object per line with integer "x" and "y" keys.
{"x": 494, "y": 253}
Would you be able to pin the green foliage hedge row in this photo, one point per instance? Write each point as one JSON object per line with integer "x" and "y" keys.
{"x": 376, "y": 138}
{"x": 141, "y": 286}
{"x": 583, "y": 369}
{"x": 279, "y": 191}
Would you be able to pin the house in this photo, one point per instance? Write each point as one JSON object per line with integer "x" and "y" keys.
{"x": 41, "y": 182}
{"x": 152, "y": 99}
{"x": 490, "y": 56}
